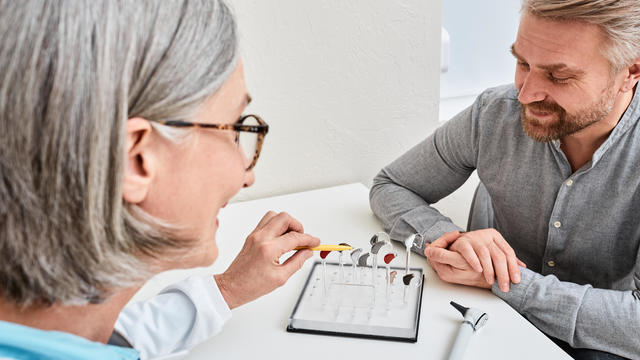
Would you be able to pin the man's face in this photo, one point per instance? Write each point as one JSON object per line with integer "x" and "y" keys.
{"x": 564, "y": 82}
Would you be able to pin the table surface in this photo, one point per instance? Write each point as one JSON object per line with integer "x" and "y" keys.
{"x": 335, "y": 215}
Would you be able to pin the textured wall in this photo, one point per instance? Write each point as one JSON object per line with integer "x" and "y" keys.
{"x": 346, "y": 86}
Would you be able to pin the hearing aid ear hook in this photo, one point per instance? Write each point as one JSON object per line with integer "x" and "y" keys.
{"x": 413, "y": 240}
{"x": 380, "y": 237}
{"x": 362, "y": 261}
{"x": 376, "y": 247}
{"x": 378, "y": 241}
{"x": 355, "y": 254}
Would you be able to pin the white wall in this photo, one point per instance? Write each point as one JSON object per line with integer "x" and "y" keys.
{"x": 346, "y": 86}
{"x": 479, "y": 58}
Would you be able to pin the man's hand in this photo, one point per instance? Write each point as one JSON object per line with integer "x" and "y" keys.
{"x": 256, "y": 270}
{"x": 451, "y": 266}
{"x": 483, "y": 251}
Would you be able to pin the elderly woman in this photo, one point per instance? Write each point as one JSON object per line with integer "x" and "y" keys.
{"x": 121, "y": 138}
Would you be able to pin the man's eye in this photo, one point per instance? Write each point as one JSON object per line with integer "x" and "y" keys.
{"x": 523, "y": 65}
{"x": 558, "y": 80}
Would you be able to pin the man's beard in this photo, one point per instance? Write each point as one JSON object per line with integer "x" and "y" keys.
{"x": 563, "y": 123}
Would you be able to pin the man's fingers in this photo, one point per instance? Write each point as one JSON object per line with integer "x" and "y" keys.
{"x": 487, "y": 267}
{"x": 466, "y": 250}
{"x": 446, "y": 239}
{"x": 500, "y": 266}
{"x": 444, "y": 271}
{"x": 521, "y": 263}
{"x": 444, "y": 256}
{"x": 514, "y": 270}
{"x": 512, "y": 260}
{"x": 503, "y": 245}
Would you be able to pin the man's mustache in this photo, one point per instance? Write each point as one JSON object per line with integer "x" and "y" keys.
{"x": 543, "y": 106}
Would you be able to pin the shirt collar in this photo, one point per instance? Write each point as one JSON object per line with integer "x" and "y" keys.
{"x": 628, "y": 119}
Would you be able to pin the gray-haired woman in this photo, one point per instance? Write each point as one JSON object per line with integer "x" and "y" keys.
{"x": 121, "y": 137}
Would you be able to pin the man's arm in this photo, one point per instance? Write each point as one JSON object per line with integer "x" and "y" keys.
{"x": 584, "y": 317}
{"x": 403, "y": 191}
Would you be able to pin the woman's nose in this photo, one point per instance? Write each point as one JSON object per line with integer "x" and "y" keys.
{"x": 249, "y": 178}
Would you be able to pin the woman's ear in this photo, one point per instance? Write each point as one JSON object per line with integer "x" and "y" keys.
{"x": 139, "y": 161}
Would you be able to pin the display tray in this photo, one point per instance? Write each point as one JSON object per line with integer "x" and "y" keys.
{"x": 359, "y": 303}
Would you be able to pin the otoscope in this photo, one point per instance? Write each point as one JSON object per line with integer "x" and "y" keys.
{"x": 474, "y": 319}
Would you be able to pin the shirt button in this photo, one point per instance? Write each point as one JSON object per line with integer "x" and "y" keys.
{"x": 551, "y": 263}
{"x": 569, "y": 182}
{"x": 557, "y": 224}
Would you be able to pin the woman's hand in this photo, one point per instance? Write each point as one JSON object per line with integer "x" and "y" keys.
{"x": 256, "y": 270}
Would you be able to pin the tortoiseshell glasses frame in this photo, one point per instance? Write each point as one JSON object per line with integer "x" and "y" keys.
{"x": 260, "y": 130}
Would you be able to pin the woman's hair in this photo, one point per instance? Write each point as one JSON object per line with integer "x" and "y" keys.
{"x": 619, "y": 21}
{"x": 72, "y": 73}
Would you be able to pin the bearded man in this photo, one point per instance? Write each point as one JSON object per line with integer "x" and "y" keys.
{"x": 558, "y": 156}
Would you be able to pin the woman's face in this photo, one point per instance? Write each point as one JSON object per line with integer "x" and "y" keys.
{"x": 197, "y": 177}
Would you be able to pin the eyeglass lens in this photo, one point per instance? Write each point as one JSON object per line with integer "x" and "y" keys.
{"x": 248, "y": 141}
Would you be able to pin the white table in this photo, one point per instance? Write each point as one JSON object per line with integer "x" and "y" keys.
{"x": 335, "y": 215}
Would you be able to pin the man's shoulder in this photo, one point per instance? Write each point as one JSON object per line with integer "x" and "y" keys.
{"x": 503, "y": 94}
{"x": 497, "y": 110}
{"x": 495, "y": 113}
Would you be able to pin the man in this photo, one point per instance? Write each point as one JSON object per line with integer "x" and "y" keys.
{"x": 557, "y": 153}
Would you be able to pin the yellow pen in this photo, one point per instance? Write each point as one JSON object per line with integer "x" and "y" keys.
{"x": 325, "y": 248}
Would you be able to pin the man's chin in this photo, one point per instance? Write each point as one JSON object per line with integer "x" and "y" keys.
{"x": 539, "y": 133}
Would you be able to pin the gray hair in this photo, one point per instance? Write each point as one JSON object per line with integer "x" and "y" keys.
{"x": 618, "y": 19}
{"x": 73, "y": 72}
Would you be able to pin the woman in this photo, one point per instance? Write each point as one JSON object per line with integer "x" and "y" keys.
{"x": 121, "y": 137}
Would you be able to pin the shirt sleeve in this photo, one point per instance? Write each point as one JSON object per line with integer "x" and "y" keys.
{"x": 403, "y": 191}
{"x": 584, "y": 317}
{"x": 180, "y": 317}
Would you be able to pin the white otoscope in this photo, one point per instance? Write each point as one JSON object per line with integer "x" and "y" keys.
{"x": 474, "y": 319}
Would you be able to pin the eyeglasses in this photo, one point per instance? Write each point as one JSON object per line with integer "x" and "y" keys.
{"x": 250, "y": 132}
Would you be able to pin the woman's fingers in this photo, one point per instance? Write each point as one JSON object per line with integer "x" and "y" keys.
{"x": 265, "y": 219}
{"x": 280, "y": 224}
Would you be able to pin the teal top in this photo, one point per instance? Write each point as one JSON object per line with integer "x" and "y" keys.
{"x": 22, "y": 342}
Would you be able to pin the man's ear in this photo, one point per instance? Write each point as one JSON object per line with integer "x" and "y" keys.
{"x": 139, "y": 161}
{"x": 634, "y": 75}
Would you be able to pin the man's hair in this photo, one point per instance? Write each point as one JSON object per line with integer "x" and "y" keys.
{"x": 619, "y": 21}
{"x": 72, "y": 73}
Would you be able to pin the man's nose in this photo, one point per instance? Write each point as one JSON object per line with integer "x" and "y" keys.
{"x": 532, "y": 89}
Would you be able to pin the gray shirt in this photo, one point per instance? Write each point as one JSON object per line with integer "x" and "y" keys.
{"x": 578, "y": 232}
